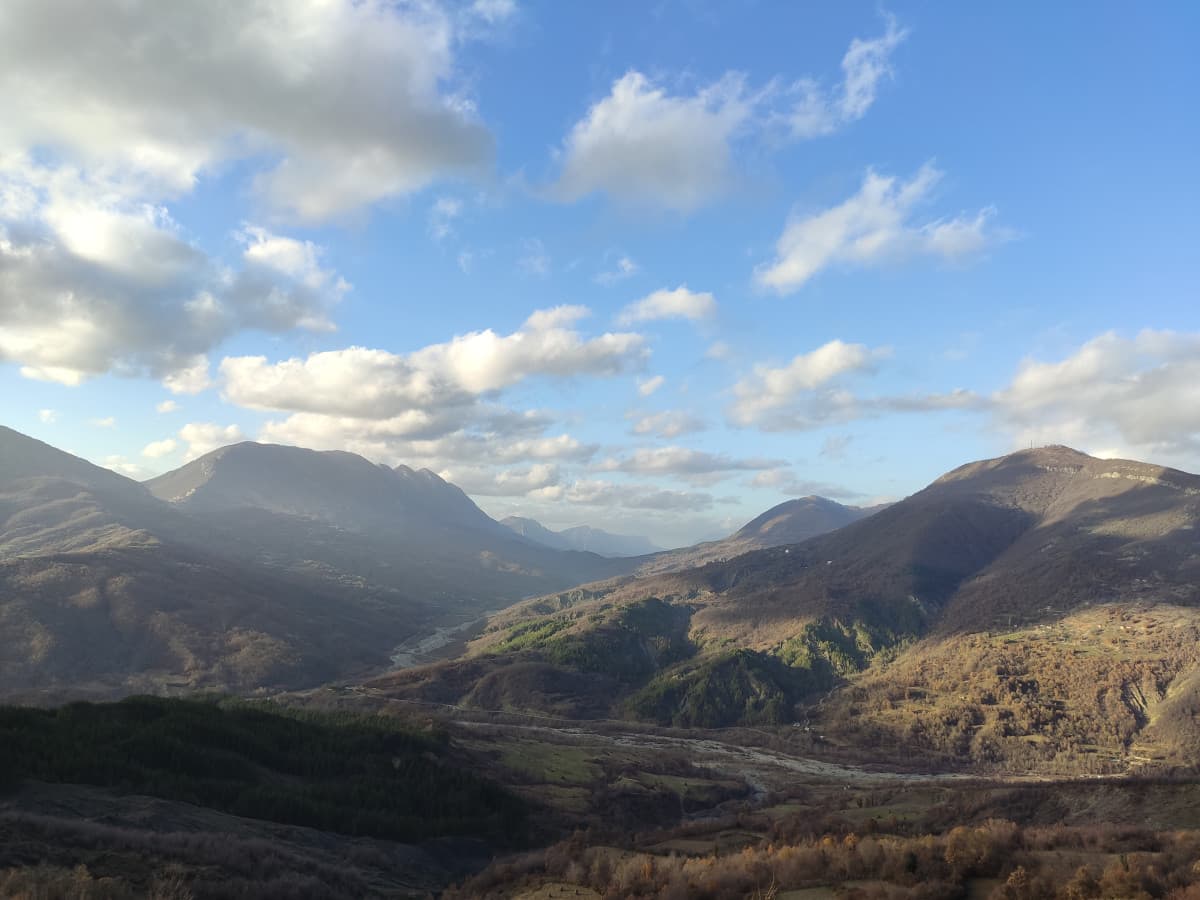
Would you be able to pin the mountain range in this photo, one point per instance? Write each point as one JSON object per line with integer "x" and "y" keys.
{"x": 582, "y": 537}
{"x": 1040, "y": 607}
{"x": 252, "y": 567}
{"x": 786, "y": 523}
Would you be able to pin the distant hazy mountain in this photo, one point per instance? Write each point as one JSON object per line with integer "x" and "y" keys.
{"x": 351, "y": 519}
{"x": 787, "y": 523}
{"x": 105, "y": 589}
{"x": 252, "y": 566}
{"x": 339, "y": 488}
{"x": 797, "y": 520}
{"x": 582, "y": 537}
{"x": 1035, "y": 610}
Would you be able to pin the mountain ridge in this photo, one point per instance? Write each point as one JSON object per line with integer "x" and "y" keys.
{"x": 274, "y": 567}
{"x": 581, "y": 537}
{"x": 788, "y": 522}
{"x": 986, "y": 617}
{"x": 334, "y": 485}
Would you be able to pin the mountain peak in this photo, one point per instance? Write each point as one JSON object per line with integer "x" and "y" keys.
{"x": 22, "y": 456}
{"x": 797, "y": 519}
{"x": 1051, "y": 458}
{"x": 1025, "y": 473}
{"x": 331, "y": 485}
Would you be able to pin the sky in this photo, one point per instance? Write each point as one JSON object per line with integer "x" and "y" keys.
{"x": 648, "y": 266}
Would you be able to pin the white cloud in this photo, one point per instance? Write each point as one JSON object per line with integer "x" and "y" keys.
{"x": 105, "y": 422}
{"x": 875, "y": 225}
{"x": 1136, "y": 396}
{"x": 93, "y": 283}
{"x": 47, "y": 416}
{"x": 535, "y": 260}
{"x": 810, "y": 392}
{"x": 769, "y": 389}
{"x": 681, "y": 462}
{"x": 442, "y": 215}
{"x": 601, "y": 493}
{"x": 356, "y": 381}
{"x": 156, "y": 449}
{"x": 335, "y": 104}
{"x": 646, "y": 145}
{"x": 57, "y": 374}
{"x": 189, "y": 378}
{"x": 297, "y": 260}
{"x": 346, "y": 100}
{"x": 817, "y": 112}
{"x": 123, "y": 466}
{"x": 680, "y": 303}
{"x": 494, "y": 11}
{"x": 496, "y": 437}
{"x": 787, "y": 482}
{"x": 666, "y": 424}
{"x": 624, "y": 268}
{"x": 647, "y": 386}
{"x": 377, "y": 384}
{"x": 718, "y": 350}
{"x": 204, "y": 437}
{"x": 167, "y": 406}
{"x": 490, "y": 482}
{"x": 436, "y": 406}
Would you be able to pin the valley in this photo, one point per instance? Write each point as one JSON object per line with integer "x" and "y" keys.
{"x": 959, "y": 623}
{"x": 964, "y": 682}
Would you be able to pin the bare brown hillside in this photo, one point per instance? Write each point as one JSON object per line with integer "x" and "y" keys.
{"x": 925, "y": 619}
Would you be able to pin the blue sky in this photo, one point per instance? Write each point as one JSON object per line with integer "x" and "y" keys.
{"x": 651, "y": 267}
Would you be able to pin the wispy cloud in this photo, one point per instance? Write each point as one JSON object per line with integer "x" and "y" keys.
{"x": 534, "y": 259}
{"x": 442, "y": 216}
{"x": 157, "y": 449}
{"x": 669, "y": 424}
{"x": 645, "y": 144}
{"x": 623, "y": 268}
{"x": 681, "y": 462}
{"x": 647, "y": 386}
{"x": 878, "y": 224}
{"x": 204, "y": 437}
{"x": 813, "y": 390}
{"x": 679, "y": 303}
{"x": 817, "y": 111}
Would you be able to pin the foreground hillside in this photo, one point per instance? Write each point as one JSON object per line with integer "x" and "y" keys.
{"x": 254, "y": 566}
{"x": 1036, "y": 610}
{"x": 1054, "y": 841}
{"x": 174, "y": 798}
{"x": 186, "y": 800}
